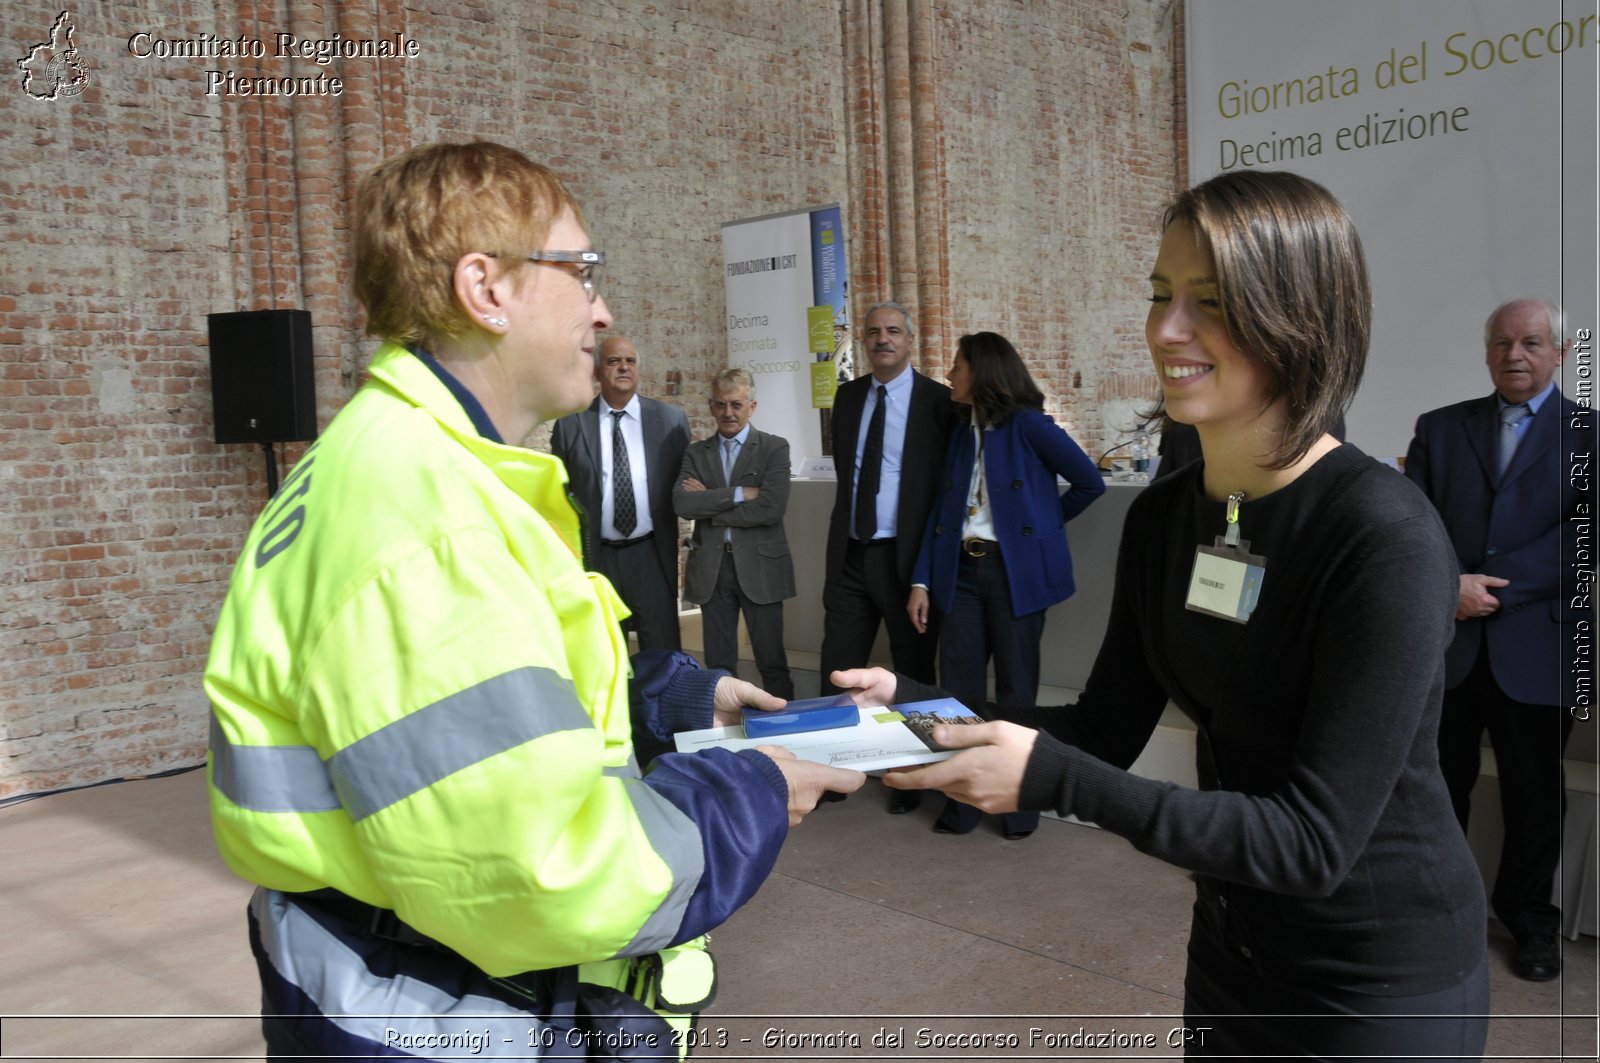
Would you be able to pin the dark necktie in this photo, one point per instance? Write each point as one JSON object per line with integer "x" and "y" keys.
{"x": 1509, "y": 419}
{"x": 623, "y": 514}
{"x": 871, "y": 471}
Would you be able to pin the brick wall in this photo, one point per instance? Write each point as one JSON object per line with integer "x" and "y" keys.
{"x": 1059, "y": 139}
{"x": 117, "y": 522}
{"x": 1038, "y": 140}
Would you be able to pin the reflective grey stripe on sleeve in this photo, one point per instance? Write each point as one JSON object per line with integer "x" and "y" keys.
{"x": 676, "y": 839}
{"x": 270, "y": 778}
{"x": 398, "y": 1010}
{"x": 403, "y": 757}
{"x": 417, "y": 750}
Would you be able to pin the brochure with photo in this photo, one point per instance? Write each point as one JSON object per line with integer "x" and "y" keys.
{"x": 886, "y": 736}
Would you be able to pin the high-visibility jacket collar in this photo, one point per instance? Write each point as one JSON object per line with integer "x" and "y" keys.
{"x": 539, "y": 479}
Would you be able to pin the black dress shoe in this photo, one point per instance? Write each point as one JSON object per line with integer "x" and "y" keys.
{"x": 903, "y": 801}
{"x": 957, "y": 818}
{"x": 1539, "y": 957}
{"x": 1018, "y": 825}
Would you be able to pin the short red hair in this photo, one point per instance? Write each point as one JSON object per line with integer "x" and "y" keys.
{"x": 418, "y": 213}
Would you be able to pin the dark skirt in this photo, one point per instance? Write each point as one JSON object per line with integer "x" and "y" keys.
{"x": 1232, "y": 1009}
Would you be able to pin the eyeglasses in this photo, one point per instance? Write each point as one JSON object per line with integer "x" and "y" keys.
{"x": 588, "y": 263}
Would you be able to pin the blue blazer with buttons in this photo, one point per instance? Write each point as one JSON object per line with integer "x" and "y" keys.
{"x": 1021, "y": 460}
{"x": 1528, "y": 527}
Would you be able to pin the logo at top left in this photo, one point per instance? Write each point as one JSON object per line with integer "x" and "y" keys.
{"x": 53, "y": 68}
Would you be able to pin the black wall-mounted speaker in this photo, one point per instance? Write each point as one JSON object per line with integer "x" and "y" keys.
{"x": 262, "y": 388}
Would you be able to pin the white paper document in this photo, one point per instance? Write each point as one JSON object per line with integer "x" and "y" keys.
{"x": 887, "y": 737}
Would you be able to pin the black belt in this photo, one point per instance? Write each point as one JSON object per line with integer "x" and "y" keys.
{"x": 646, "y": 537}
{"x": 379, "y": 922}
{"x": 888, "y": 541}
{"x": 980, "y": 548}
{"x": 546, "y": 991}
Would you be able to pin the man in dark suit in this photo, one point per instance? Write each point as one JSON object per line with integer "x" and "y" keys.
{"x": 890, "y": 430}
{"x": 622, "y": 455}
{"x": 735, "y": 487}
{"x": 1500, "y": 470}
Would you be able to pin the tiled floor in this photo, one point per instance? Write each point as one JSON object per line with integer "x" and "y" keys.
{"x": 113, "y": 902}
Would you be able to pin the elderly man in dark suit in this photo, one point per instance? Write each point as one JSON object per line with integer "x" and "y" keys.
{"x": 622, "y": 455}
{"x": 735, "y": 487}
{"x": 1500, "y": 470}
{"x": 890, "y": 431}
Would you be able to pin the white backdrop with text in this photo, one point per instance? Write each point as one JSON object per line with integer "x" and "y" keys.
{"x": 1460, "y": 134}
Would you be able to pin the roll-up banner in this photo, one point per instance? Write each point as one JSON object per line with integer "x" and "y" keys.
{"x": 1460, "y": 134}
{"x": 786, "y": 279}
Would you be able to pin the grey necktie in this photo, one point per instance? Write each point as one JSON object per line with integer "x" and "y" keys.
{"x": 729, "y": 450}
{"x": 1510, "y": 417}
{"x": 624, "y": 513}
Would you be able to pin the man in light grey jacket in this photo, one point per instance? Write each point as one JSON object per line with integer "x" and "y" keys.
{"x": 735, "y": 487}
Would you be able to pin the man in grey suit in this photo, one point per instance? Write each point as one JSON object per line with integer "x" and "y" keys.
{"x": 735, "y": 487}
{"x": 622, "y": 454}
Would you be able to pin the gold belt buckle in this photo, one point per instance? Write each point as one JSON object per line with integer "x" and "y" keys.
{"x": 974, "y": 548}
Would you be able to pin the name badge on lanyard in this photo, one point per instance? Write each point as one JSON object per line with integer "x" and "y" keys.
{"x": 1227, "y": 577}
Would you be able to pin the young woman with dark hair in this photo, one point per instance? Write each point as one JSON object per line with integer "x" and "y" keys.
{"x": 1294, "y": 598}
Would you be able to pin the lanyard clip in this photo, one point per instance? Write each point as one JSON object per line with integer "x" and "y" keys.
{"x": 1231, "y": 536}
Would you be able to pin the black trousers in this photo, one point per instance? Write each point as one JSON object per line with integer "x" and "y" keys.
{"x": 635, "y": 571}
{"x": 1528, "y": 743}
{"x": 866, "y": 591}
{"x": 720, "y": 619}
{"x": 1232, "y": 1010}
{"x": 979, "y": 626}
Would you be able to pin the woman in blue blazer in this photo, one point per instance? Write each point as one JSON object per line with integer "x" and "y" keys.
{"x": 994, "y": 554}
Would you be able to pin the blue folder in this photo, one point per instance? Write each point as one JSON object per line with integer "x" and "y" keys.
{"x": 811, "y": 714}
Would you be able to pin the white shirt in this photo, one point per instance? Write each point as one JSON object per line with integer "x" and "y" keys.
{"x": 979, "y": 521}
{"x": 896, "y": 414}
{"x": 633, "y": 436}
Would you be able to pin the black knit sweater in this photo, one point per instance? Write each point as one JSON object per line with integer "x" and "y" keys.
{"x": 1322, "y": 836}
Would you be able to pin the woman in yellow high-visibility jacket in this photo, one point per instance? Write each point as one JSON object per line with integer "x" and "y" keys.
{"x": 422, "y": 704}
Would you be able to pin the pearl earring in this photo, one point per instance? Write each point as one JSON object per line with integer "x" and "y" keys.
{"x": 497, "y": 322}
